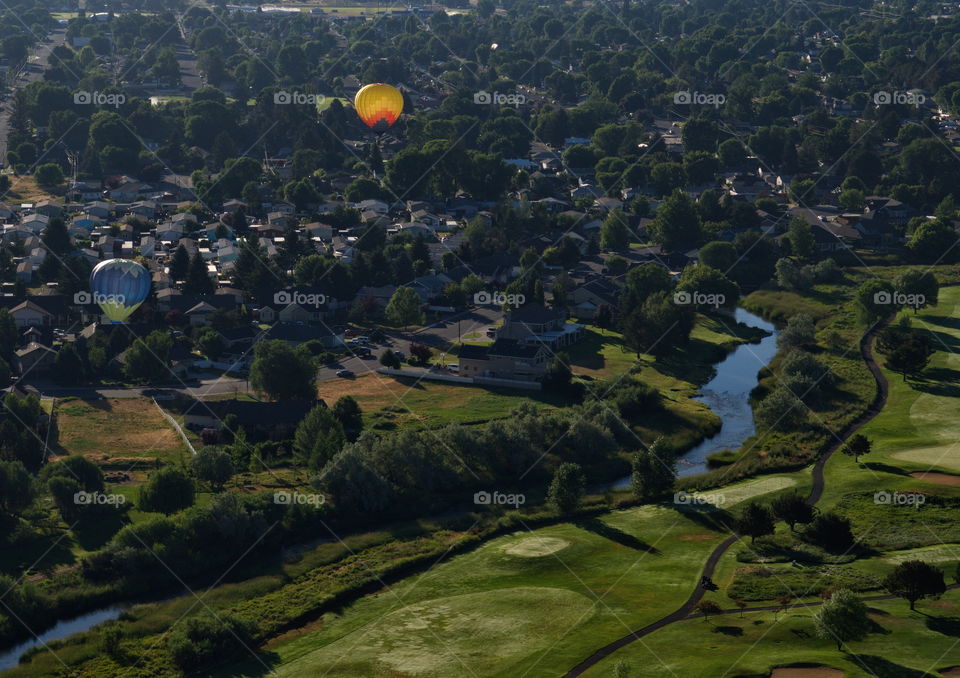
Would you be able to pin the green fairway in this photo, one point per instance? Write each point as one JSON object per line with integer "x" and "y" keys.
{"x": 739, "y": 492}
{"x": 439, "y": 637}
{"x": 529, "y": 601}
{"x": 903, "y": 645}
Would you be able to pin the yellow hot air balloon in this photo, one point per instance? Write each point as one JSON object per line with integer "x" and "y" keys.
{"x": 379, "y": 106}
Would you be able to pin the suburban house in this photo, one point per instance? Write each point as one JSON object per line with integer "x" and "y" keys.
{"x": 505, "y": 359}
{"x": 524, "y": 346}
{"x": 34, "y": 358}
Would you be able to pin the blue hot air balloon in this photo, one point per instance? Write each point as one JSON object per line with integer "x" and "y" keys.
{"x": 119, "y": 286}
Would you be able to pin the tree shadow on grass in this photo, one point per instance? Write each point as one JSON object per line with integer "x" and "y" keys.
{"x": 264, "y": 665}
{"x": 943, "y": 321}
{"x": 884, "y": 468}
{"x": 602, "y": 529}
{"x": 734, "y": 631}
{"x": 948, "y": 626}
{"x": 884, "y": 668}
{"x": 939, "y": 381}
{"x": 708, "y": 516}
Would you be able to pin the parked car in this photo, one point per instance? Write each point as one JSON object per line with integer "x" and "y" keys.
{"x": 345, "y": 373}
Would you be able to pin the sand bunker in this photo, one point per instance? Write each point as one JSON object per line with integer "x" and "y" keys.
{"x": 535, "y": 547}
{"x": 953, "y": 672}
{"x": 937, "y": 479}
{"x": 807, "y": 672}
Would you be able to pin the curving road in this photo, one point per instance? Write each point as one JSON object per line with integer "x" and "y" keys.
{"x": 687, "y": 610}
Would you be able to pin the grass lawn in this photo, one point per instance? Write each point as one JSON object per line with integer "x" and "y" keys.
{"x": 116, "y": 430}
{"x": 533, "y": 596}
{"x": 24, "y": 188}
{"x": 903, "y": 644}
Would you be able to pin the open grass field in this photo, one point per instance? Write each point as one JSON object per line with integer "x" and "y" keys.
{"x": 903, "y": 644}
{"x": 528, "y": 603}
{"x": 113, "y": 430}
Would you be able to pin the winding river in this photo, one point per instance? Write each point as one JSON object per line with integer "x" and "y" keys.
{"x": 67, "y": 627}
{"x": 727, "y": 394}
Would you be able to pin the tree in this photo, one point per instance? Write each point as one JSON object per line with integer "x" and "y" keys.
{"x": 421, "y": 352}
{"x": 110, "y": 638}
{"x": 56, "y": 238}
{"x": 756, "y": 521}
{"x": 614, "y": 234}
{"x": 719, "y": 255}
{"x": 654, "y": 471}
{"x": 348, "y": 413}
{"x": 874, "y": 300}
{"x": 167, "y": 491}
{"x": 281, "y": 372}
{"x": 801, "y": 240}
{"x": 801, "y": 330}
{"x": 676, "y": 225}
{"x": 832, "y": 531}
{"x": 403, "y": 309}
{"x": 934, "y": 241}
{"x": 658, "y": 326}
{"x": 49, "y": 175}
{"x": 912, "y": 356}
{"x": 707, "y": 288}
{"x": 857, "y": 446}
{"x": 640, "y": 282}
{"x": 17, "y": 490}
{"x": 843, "y": 618}
{"x": 742, "y": 604}
{"x": 214, "y": 467}
{"x": 567, "y": 487}
{"x": 780, "y": 410}
{"x": 203, "y": 640}
{"x": 915, "y": 580}
{"x": 318, "y": 438}
{"x": 69, "y": 365}
{"x": 198, "y": 279}
{"x": 389, "y": 359}
{"x": 918, "y": 288}
{"x": 708, "y": 608}
{"x": 180, "y": 264}
{"x": 146, "y": 359}
{"x": 792, "y": 509}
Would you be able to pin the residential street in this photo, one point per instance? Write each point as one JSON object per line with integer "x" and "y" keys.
{"x": 37, "y": 62}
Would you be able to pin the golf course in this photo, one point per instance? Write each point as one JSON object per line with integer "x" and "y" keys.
{"x": 619, "y": 593}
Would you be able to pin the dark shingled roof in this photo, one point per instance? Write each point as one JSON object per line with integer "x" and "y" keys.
{"x": 534, "y": 314}
{"x": 511, "y": 348}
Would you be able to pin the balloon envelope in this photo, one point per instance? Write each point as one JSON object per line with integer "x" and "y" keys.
{"x": 379, "y": 106}
{"x": 119, "y": 286}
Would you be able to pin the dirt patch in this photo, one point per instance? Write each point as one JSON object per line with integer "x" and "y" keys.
{"x": 952, "y": 672}
{"x": 807, "y": 672}
{"x": 938, "y": 479}
{"x": 535, "y": 547}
